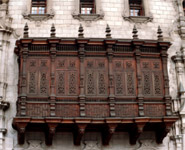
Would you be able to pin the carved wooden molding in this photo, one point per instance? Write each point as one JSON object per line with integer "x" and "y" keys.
{"x": 83, "y": 82}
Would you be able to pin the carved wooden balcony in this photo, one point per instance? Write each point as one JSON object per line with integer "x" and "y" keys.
{"x": 104, "y": 85}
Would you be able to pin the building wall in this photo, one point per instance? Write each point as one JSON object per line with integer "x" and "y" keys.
{"x": 164, "y": 13}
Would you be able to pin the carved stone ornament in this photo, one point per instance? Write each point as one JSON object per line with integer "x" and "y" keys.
{"x": 38, "y": 17}
{"x": 147, "y": 145}
{"x": 91, "y": 145}
{"x": 5, "y": 24}
{"x": 4, "y": 105}
{"x": 138, "y": 19}
{"x": 88, "y": 17}
{"x": 34, "y": 145}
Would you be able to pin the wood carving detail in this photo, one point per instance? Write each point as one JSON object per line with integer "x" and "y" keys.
{"x": 90, "y": 83}
{"x": 32, "y": 82}
{"x": 43, "y": 84}
{"x": 93, "y": 84}
{"x": 96, "y": 77}
{"x": 102, "y": 88}
{"x": 61, "y": 83}
{"x": 72, "y": 83}
{"x": 152, "y": 78}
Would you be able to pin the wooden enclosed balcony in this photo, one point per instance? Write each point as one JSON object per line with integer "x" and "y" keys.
{"x": 82, "y": 84}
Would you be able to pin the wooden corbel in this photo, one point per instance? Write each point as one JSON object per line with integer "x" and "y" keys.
{"x": 161, "y": 131}
{"x": 108, "y": 133}
{"x": 21, "y": 128}
{"x": 78, "y": 133}
{"x": 135, "y": 132}
{"x": 50, "y": 133}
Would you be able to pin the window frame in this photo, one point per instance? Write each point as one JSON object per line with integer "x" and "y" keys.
{"x": 99, "y": 14}
{"x": 134, "y": 7}
{"x": 38, "y": 5}
{"x": 93, "y": 6}
{"x": 38, "y": 17}
{"x": 145, "y": 17}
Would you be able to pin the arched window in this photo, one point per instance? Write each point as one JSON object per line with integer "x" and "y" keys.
{"x": 87, "y": 7}
{"x": 136, "y": 8}
{"x": 38, "y": 7}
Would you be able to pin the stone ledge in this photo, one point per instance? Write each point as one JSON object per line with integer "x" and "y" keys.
{"x": 38, "y": 17}
{"x": 88, "y": 17}
{"x": 138, "y": 19}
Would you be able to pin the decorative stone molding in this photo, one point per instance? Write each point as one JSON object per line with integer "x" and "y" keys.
{"x": 147, "y": 145}
{"x": 39, "y": 17}
{"x": 4, "y": 105}
{"x": 91, "y": 145}
{"x": 5, "y": 24}
{"x": 88, "y": 17}
{"x": 34, "y": 145}
{"x": 138, "y": 19}
{"x": 3, "y": 130}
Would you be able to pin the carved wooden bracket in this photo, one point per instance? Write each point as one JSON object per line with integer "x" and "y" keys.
{"x": 162, "y": 131}
{"x": 78, "y": 133}
{"x": 50, "y": 133}
{"x": 108, "y": 133}
{"x": 21, "y": 127}
{"x": 135, "y": 132}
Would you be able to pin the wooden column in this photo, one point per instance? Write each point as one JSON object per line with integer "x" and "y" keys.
{"x": 111, "y": 77}
{"x": 81, "y": 53}
{"x": 164, "y": 57}
{"x": 139, "y": 78}
{"x": 23, "y": 80}
{"x": 52, "y": 76}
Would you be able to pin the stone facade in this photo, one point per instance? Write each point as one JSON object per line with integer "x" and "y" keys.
{"x": 65, "y": 15}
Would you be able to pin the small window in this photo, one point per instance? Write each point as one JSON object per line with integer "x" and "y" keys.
{"x": 183, "y": 4}
{"x": 87, "y": 7}
{"x": 136, "y": 8}
{"x": 38, "y": 7}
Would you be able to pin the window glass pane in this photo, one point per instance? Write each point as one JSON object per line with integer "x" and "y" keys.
{"x": 38, "y": 7}
{"x": 87, "y": 6}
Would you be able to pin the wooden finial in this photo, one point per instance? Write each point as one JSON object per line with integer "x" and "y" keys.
{"x": 135, "y": 36}
{"x": 26, "y": 34}
{"x": 53, "y": 30}
{"x": 159, "y": 32}
{"x": 80, "y": 30}
{"x": 108, "y": 32}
